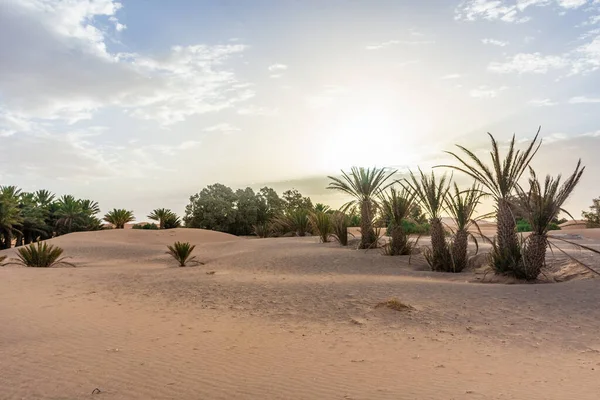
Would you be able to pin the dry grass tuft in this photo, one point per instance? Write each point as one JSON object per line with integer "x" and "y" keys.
{"x": 394, "y": 304}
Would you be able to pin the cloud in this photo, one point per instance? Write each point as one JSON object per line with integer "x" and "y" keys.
{"x": 326, "y": 97}
{"x": 534, "y": 63}
{"x": 258, "y": 111}
{"x": 584, "y": 100}
{"x": 389, "y": 43}
{"x": 542, "y": 103}
{"x": 223, "y": 127}
{"x": 486, "y": 92}
{"x": 451, "y": 76}
{"x": 277, "y": 67}
{"x": 507, "y": 10}
{"x": 56, "y": 66}
{"x": 494, "y": 42}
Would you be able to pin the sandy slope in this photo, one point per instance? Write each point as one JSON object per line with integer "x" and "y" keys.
{"x": 285, "y": 318}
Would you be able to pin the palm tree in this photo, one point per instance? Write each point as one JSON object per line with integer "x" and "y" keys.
{"x": 363, "y": 184}
{"x": 10, "y": 216}
{"x": 541, "y": 207}
{"x": 160, "y": 215}
{"x": 396, "y": 207}
{"x": 461, "y": 206}
{"x": 33, "y": 222}
{"x": 172, "y": 221}
{"x": 69, "y": 211}
{"x": 43, "y": 198}
{"x": 500, "y": 181}
{"x": 431, "y": 194}
{"x": 119, "y": 217}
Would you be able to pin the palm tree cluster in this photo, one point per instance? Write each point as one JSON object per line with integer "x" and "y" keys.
{"x": 29, "y": 217}
{"x": 166, "y": 218}
{"x": 538, "y": 204}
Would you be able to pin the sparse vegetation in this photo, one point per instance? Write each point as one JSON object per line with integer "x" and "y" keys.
{"x": 431, "y": 194}
{"x": 500, "y": 182}
{"x": 322, "y": 224}
{"x": 592, "y": 217}
{"x": 340, "y": 222}
{"x": 147, "y": 226}
{"x": 182, "y": 252}
{"x": 2, "y": 258}
{"x": 166, "y": 218}
{"x": 40, "y": 255}
{"x": 394, "y": 304}
{"x": 263, "y": 230}
{"x": 363, "y": 184}
{"x": 542, "y": 204}
{"x": 396, "y": 207}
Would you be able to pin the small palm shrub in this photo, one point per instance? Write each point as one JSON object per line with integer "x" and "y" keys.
{"x": 296, "y": 222}
{"x": 182, "y": 252}
{"x": 263, "y": 230}
{"x": 172, "y": 221}
{"x": 339, "y": 227}
{"x": 396, "y": 207}
{"x": 41, "y": 255}
{"x": 321, "y": 223}
{"x": 148, "y": 226}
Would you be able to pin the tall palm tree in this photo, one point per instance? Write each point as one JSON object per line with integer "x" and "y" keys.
{"x": 10, "y": 217}
{"x": 160, "y": 215}
{"x": 500, "y": 181}
{"x": 431, "y": 194}
{"x": 363, "y": 184}
{"x": 396, "y": 207}
{"x": 541, "y": 206}
{"x": 32, "y": 223}
{"x": 68, "y": 213}
{"x": 461, "y": 205}
{"x": 119, "y": 217}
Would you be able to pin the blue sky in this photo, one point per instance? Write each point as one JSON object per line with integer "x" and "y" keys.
{"x": 139, "y": 104}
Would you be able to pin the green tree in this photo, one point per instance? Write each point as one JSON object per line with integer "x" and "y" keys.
{"x": 270, "y": 205}
{"x": 396, "y": 207}
{"x": 293, "y": 201}
{"x": 592, "y": 217}
{"x": 160, "y": 215}
{"x": 247, "y": 208}
{"x": 213, "y": 208}
{"x": 10, "y": 216}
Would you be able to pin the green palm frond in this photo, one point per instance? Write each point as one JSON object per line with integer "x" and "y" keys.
{"x": 119, "y": 217}
{"x": 41, "y": 255}
{"x": 362, "y": 183}
{"x": 461, "y": 205}
{"x": 182, "y": 252}
{"x": 321, "y": 222}
{"x": 430, "y": 191}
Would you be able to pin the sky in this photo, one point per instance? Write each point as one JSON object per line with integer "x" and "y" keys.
{"x": 139, "y": 104}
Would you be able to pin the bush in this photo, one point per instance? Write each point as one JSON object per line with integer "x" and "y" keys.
{"x": 148, "y": 226}
{"x": 321, "y": 223}
{"x": 41, "y": 255}
{"x": 523, "y": 226}
{"x": 182, "y": 251}
{"x": 339, "y": 225}
{"x": 263, "y": 230}
{"x": 412, "y": 228}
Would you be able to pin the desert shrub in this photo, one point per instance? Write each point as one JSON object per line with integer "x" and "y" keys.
{"x": 523, "y": 226}
{"x": 321, "y": 223}
{"x": 182, "y": 252}
{"x": 295, "y": 222}
{"x": 412, "y": 228}
{"x": 148, "y": 226}
{"x": 339, "y": 224}
{"x": 263, "y": 230}
{"x": 41, "y": 255}
{"x": 394, "y": 304}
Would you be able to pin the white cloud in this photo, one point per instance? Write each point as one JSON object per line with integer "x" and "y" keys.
{"x": 451, "y": 76}
{"x": 507, "y": 10}
{"x": 389, "y": 43}
{"x": 494, "y": 42}
{"x": 258, "y": 110}
{"x": 584, "y": 100}
{"x": 534, "y": 63}
{"x": 542, "y": 103}
{"x": 486, "y": 92}
{"x": 277, "y": 67}
{"x": 72, "y": 75}
{"x": 326, "y": 97}
{"x": 223, "y": 127}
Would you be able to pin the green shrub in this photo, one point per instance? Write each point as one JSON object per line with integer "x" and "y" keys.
{"x": 321, "y": 223}
{"x": 41, "y": 255}
{"x": 412, "y": 228}
{"x": 263, "y": 230}
{"x": 523, "y": 226}
{"x": 339, "y": 224}
{"x": 182, "y": 252}
{"x": 148, "y": 226}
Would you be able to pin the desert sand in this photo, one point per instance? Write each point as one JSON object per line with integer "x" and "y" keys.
{"x": 289, "y": 318}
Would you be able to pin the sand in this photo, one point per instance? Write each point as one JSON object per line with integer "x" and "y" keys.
{"x": 287, "y": 318}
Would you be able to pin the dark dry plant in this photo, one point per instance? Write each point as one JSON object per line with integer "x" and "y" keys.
{"x": 322, "y": 224}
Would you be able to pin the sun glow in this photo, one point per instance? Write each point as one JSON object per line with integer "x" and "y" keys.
{"x": 372, "y": 137}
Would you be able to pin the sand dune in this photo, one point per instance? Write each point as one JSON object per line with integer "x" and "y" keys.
{"x": 285, "y": 318}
